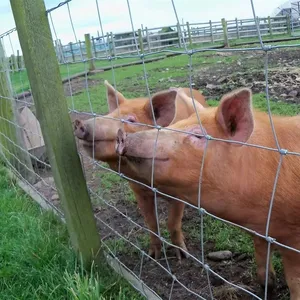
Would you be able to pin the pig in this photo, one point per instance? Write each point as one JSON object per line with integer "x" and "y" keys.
{"x": 98, "y": 139}
{"x": 237, "y": 179}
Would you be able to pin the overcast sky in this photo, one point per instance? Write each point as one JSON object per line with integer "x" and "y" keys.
{"x": 150, "y": 13}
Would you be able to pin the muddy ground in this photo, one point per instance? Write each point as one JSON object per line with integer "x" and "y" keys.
{"x": 248, "y": 71}
{"x": 284, "y": 76}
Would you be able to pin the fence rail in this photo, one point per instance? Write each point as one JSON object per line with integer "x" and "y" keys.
{"x": 154, "y": 39}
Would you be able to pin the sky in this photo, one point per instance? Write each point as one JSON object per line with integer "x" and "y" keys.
{"x": 115, "y": 15}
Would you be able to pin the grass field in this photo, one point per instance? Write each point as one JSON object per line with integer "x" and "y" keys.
{"x": 36, "y": 261}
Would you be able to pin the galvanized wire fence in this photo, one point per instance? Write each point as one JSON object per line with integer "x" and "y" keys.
{"x": 122, "y": 231}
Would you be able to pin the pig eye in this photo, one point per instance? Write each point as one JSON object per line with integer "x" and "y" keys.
{"x": 131, "y": 119}
{"x": 198, "y": 137}
{"x": 198, "y": 132}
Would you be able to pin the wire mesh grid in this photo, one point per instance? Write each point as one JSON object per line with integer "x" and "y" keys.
{"x": 123, "y": 231}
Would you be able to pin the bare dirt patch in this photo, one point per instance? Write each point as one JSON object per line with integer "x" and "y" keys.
{"x": 248, "y": 71}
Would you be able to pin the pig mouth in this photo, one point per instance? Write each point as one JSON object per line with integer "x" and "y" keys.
{"x": 139, "y": 159}
{"x": 91, "y": 144}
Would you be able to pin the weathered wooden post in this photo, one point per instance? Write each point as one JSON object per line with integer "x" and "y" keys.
{"x": 211, "y": 32}
{"x": 142, "y": 27}
{"x": 113, "y": 44}
{"x": 189, "y": 33}
{"x": 58, "y": 51}
{"x": 81, "y": 53}
{"x": 270, "y": 26}
{"x": 258, "y": 22}
{"x": 52, "y": 112}
{"x": 72, "y": 51}
{"x": 225, "y": 32}
{"x": 12, "y": 144}
{"x": 94, "y": 46}
{"x": 89, "y": 53}
{"x": 61, "y": 50}
{"x": 141, "y": 44}
{"x": 14, "y": 63}
{"x": 179, "y": 35}
{"x": 109, "y": 43}
{"x": 148, "y": 40}
{"x": 19, "y": 62}
{"x": 237, "y": 28}
{"x": 288, "y": 24}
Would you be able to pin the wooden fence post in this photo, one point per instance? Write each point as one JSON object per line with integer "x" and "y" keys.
{"x": 81, "y": 50}
{"x": 225, "y": 32}
{"x": 237, "y": 28}
{"x": 109, "y": 44}
{"x": 113, "y": 44}
{"x": 179, "y": 35}
{"x": 61, "y": 49}
{"x": 14, "y": 63}
{"x": 189, "y": 33}
{"x": 258, "y": 22}
{"x": 11, "y": 64}
{"x": 12, "y": 144}
{"x": 211, "y": 32}
{"x": 148, "y": 39}
{"x": 89, "y": 52}
{"x": 141, "y": 44}
{"x": 94, "y": 46}
{"x": 58, "y": 51}
{"x": 72, "y": 51}
{"x": 288, "y": 24}
{"x": 19, "y": 63}
{"x": 52, "y": 112}
{"x": 270, "y": 26}
{"x": 142, "y": 27}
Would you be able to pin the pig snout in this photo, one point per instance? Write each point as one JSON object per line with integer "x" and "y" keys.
{"x": 141, "y": 145}
{"x": 81, "y": 130}
{"x": 120, "y": 143}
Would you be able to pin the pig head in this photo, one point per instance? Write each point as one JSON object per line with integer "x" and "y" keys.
{"x": 98, "y": 134}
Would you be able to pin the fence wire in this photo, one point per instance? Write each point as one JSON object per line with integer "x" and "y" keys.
{"x": 123, "y": 233}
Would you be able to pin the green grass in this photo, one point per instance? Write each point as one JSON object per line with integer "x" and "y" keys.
{"x": 112, "y": 184}
{"x": 36, "y": 259}
{"x": 20, "y": 80}
{"x": 161, "y": 74}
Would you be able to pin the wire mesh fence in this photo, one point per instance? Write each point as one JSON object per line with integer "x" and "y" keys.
{"x": 148, "y": 242}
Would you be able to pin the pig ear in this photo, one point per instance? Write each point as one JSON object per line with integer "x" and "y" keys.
{"x": 164, "y": 107}
{"x": 234, "y": 114}
{"x": 113, "y": 97}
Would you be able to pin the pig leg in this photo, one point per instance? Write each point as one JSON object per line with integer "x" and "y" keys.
{"x": 291, "y": 264}
{"x": 176, "y": 210}
{"x": 145, "y": 200}
{"x": 261, "y": 250}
